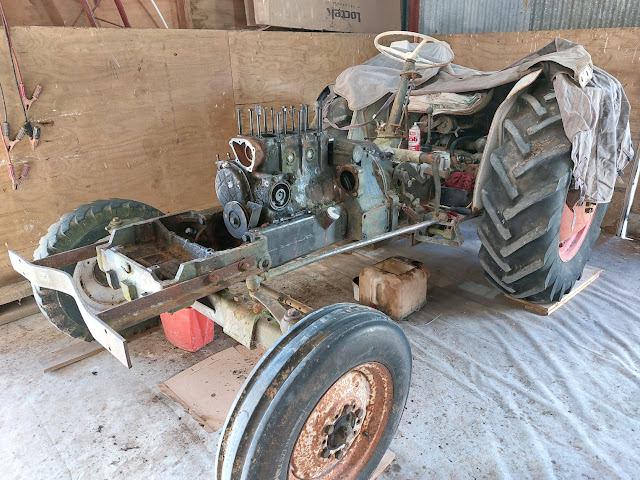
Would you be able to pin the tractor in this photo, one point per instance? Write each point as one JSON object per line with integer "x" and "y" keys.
{"x": 305, "y": 184}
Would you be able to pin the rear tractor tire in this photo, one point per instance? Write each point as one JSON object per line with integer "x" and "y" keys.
{"x": 83, "y": 226}
{"x": 534, "y": 246}
{"x": 323, "y": 403}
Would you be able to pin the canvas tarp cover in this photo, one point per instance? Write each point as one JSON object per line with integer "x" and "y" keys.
{"x": 595, "y": 118}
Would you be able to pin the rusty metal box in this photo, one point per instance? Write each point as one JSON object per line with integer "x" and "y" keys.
{"x": 396, "y": 286}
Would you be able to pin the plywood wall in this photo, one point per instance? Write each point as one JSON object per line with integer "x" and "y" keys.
{"x": 140, "y": 114}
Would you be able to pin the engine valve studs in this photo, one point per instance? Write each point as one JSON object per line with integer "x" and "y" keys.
{"x": 258, "y": 122}
{"x": 264, "y": 115}
{"x": 239, "y": 112}
{"x": 251, "y": 121}
{"x": 318, "y": 107}
{"x": 293, "y": 118}
{"x": 284, "y": 120}
{"x": 273, "y": 123}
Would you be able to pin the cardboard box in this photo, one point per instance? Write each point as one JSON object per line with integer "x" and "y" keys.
{"x": 362, "y": 16}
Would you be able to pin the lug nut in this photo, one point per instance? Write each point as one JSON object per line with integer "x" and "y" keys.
{"x": 329, "y": 429}
{"x": 257, "y": 308}
{"x": 339, "y": 455}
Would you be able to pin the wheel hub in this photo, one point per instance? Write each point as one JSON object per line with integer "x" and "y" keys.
{"x": 95, "y": 292}
{"x": 341, "y": 434}
{"x": 346, "y": 425}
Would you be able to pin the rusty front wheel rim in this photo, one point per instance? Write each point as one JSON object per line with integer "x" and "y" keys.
{"x": 345, "y": 427}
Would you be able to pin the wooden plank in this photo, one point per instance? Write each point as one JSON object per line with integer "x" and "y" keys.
{"x": 18, "y": 310}
{"x": 15, "y": 291}
{"x": 71, "y": 354}
{"x": 388, "y": 457}
{"x": 589, "y": 275}
{"x": 250, "y": 13}
{"x": 76, "y": 351}
{"x": 184, "y": 14}
{"x": 146, "y": 128}
{"x": 612, "y": 49}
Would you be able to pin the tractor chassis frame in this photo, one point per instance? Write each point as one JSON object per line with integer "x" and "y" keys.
{"x": 202, "y": 281}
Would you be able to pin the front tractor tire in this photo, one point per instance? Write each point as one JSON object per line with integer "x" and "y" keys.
{"x": 83, "y": 226}
{"x": 532, "y": 246}
{"x": 323, "y": 403}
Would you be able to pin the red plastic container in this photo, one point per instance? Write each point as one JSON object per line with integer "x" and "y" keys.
{"x": 187, "y": 329}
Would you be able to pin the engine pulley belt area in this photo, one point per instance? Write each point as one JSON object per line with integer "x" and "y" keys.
{"x": 104, "y": 326}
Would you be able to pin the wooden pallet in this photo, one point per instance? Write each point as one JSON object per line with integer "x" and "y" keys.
{"x": 589, "y": 275}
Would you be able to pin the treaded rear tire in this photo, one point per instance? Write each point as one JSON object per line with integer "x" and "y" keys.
{"x": 524, "y": 199}
{"x": 83, "y": 226}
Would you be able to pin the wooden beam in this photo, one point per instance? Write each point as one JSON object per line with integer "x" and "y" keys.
{"x": 414, "y": 15}
{"x": 184, "y": 14}
{"x": 78, "y": 350}
{"x": 15, "y": 291}
{"x": 13, "y": 311}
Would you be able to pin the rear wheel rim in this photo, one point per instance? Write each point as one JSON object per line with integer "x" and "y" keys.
{"x": 95, "y": 295}
{"x": 574, "y": 228}
{"x": 345, "y": 427}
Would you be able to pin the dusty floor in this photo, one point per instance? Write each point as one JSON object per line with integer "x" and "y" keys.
{"x": 497, "y": 392}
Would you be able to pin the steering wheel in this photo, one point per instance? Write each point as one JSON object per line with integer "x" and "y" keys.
{"x": 397, "y": 54}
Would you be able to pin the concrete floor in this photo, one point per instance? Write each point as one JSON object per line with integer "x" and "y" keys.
{"x": 497, "y": 392}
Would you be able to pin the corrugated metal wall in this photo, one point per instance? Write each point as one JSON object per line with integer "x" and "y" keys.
{"x": 480, "y": 16}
